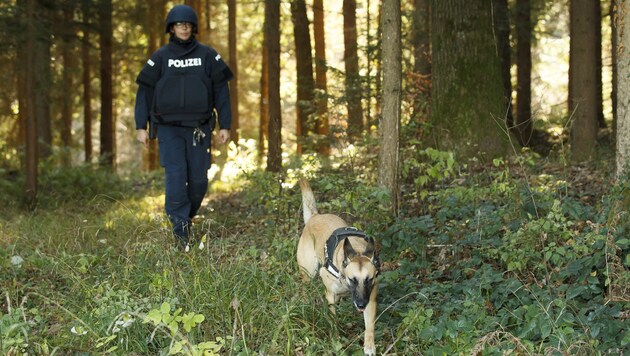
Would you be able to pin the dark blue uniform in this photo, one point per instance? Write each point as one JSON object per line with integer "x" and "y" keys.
{"x": 179, "y": 90}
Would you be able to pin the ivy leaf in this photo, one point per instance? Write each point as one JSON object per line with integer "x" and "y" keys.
{"x": 575, "y": 291}
{"x": 623, "y": 243}
{"x": 545, "y": 328}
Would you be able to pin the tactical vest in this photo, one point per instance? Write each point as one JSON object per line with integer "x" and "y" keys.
{"x": 181, "y": 85}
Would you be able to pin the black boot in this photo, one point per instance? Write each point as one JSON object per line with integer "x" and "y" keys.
{"x": 181, "y": 231}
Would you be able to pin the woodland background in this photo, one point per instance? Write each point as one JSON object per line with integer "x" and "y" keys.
{"x": 483, "y": 143}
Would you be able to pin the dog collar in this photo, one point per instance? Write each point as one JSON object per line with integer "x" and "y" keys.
{"x": 331, "y": 244}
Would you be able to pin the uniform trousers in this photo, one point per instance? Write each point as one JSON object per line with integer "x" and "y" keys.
{"x": 185, "y": 156}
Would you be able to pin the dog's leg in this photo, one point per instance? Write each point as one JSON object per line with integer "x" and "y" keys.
{"x": 307, "y": 260}
{"x": 331, "y": 296}
{"x": 369, "y": 317}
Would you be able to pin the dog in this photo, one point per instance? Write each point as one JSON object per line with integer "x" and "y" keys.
{"x": 344, "y": 257}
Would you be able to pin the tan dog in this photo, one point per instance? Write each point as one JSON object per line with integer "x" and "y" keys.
{"x": 345, "y": 259}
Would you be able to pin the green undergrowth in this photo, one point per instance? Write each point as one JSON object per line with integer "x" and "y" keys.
{"x": 507, "y": 257}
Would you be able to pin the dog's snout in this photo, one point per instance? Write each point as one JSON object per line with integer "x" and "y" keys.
{"x": 361, "y": 297}
{"x": 361, "y": 303}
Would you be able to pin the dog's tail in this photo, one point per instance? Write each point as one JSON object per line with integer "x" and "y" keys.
{"x": 309, "y": 206}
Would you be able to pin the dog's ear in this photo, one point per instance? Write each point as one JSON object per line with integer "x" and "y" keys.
{"x": 370, "y": 251}
{"x": 376, "y": 262}
{"x": 348, "y": 252}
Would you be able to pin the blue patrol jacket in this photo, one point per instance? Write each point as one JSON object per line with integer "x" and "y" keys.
{"x": 182, "y": 84}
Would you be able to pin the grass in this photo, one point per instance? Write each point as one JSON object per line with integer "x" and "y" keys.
{"x": 93, "y": 270}
{"x": 85, "y": 267}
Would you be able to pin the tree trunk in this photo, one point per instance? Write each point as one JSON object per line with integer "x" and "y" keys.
{"x": 67, "y": 82}
{"x": 207, "y": 23}
{"x": 623, "y": 89}
{"x": 392, "y": 79}
{"x": 43, "y": 79}
{"x": 614, "y": 42}
{"x": 601, "y": 120}
{"x": 87, "y": 86}
{"x": 263, "y": 127}
{"x": 368, "y": 93}
{"x": 353, "y": 79}
{"x": 233, "y": 63}
{"x": 30, "y": 188}
{"x": 155, "y": 28}
{"x": 321, "y": 85}
{"x": 378, "y": 85}
{"x": 421, "y": 39}
{"x": 23, "y": 98}
{"x": 583, "y": 83}
{"x": 304, "y": 70}
{"x": 502, "y": 29}
{"x": 272, "y": 31}
{"x": 467, "y": 90}
{"x": 523, "y": 125}
{"x": 107, "y": 154}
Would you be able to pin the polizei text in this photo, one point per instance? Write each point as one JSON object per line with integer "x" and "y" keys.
{"x": 183, "y": 63}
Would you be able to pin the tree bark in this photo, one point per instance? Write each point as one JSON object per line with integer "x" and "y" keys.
{"x": 272, "y": 31}
{"x": 523, "y": 125}
{"x": 353, "y": 79}
{"x": 390, "y": 122}
{"x": 304, "y": 70}
{"x": 43, "y": 79}
{"x": 107, "y": 154}
{"x": 263, "y": 127}
{"x": 155, "y": 31}
{"x": 233, "y": 63}
{"x": 583, "y": 81}
{"x": 67, "y": 82}
{"x": 622, "y": 50}
{"x": 321, "y": 81}
{"x": 467, "y": 90}
{"x": 87, "y": 86}
{"x": 30, "y": 188}
{"x": 614, "y": 43}
{"x": 421, "y": 39}
{"x": 502, "y": 32}
{"x": 601, "y": 120}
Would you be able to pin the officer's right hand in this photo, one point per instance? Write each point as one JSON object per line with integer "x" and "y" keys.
{"x": 142, "y": 136}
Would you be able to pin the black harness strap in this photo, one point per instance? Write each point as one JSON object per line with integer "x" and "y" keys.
{"x": 331, "y": 244}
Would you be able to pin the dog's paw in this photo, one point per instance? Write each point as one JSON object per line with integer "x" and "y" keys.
{"x": 369, "y": 350}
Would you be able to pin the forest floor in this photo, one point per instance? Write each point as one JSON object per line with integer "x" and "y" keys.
{"x": 525, "y": 256}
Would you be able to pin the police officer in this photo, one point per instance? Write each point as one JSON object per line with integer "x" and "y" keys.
{"x": 180, "y": 89}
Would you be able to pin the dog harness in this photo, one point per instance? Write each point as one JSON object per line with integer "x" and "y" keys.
{"x": 331, "y": 244}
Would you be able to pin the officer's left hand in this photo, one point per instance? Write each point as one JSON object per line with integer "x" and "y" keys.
{"x": 224, "y": 135}
{"x": 142, "y": 136}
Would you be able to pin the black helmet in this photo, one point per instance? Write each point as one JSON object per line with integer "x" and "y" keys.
{"x": 181, "y": 13}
